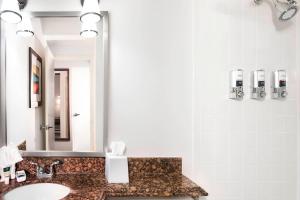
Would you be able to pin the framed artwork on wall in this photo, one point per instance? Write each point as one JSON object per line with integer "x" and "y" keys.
{"x": 35, "y": 79}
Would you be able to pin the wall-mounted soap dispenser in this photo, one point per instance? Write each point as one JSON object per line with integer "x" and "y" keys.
{"x": 279, "y": 83}
{"x": 236, "y": 84}
{"x": 258, "y": 90}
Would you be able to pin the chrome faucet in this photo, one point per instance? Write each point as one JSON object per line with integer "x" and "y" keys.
{"x": 40, "y": 170}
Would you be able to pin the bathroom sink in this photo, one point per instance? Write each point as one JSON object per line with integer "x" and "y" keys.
{"x": 39, "y": 191}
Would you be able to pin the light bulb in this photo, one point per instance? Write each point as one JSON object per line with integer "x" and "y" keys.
{"x": 10, "y": 11}
{"x": 88, "y": 30}
{"x": 90, "y": 11}
{"x": 24, "y": 28}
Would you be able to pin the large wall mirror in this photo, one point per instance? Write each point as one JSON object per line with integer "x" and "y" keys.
{"x": 53, "y": 91}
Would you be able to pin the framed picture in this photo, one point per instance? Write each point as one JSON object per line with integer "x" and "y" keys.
{"x": 35, "y": 79}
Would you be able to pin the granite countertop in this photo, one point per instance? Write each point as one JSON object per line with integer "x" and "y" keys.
{"x": 95, "y": 186}
{"x": 83, "y": 186}
{"x": 149, "y": 177}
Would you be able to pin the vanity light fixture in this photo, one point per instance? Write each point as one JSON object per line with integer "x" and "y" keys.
{"x": 10, "y": 11}
{"x": 90, "y": 11}
{"x": 89, "y": 30}
{"x": 24, "y": 28}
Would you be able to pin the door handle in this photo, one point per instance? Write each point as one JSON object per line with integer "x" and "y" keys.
{"x": 76, "y": 114}
{"x": 45, "y": 127}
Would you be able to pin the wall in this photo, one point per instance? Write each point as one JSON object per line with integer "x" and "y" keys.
{"x": 19, "y": 129}
{"x": 150, "y": 77}
{"x": 248, "y": 149}
{"x": 51, "y": 5}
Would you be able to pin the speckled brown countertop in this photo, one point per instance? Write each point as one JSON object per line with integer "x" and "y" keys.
{"x": 93, "y": 186}
{"x": 83, "y": 186}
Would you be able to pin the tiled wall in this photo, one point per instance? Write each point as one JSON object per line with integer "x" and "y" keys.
{"x": 244, "y": 150}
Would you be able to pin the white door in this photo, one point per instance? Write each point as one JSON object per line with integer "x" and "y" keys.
{"x": 49, "y": 102}
{"x": 80, "y": 108}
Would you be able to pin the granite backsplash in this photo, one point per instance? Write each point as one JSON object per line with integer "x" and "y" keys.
{"x": 137, "y": 167}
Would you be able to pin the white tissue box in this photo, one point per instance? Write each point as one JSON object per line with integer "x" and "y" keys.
{"x": 116, "y": 169}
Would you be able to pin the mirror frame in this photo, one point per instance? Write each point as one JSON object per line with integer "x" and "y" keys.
{"x": 68, "y": 138}
{"x": 3, "y": 130}
{"x": 3, "y": 139}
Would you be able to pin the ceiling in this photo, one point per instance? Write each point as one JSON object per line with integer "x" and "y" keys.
{"x": 71, "y": 48}
{"x": 62, "y": 36}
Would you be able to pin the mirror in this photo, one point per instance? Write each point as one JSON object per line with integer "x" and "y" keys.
{"x": 55, "y": 85}
{"x": 62, "y": 105}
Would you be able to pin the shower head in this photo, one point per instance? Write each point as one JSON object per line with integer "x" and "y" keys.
{"x": 287, "y": 10}
{"x": 290, "y": 12}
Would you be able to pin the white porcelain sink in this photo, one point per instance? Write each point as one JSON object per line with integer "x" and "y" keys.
{"x": 39, "y": 191}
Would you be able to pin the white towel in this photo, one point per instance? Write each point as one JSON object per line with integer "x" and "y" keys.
{"x": 9, "y": 155}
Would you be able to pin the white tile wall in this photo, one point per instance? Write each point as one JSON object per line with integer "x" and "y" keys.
{"x": 244, "y": 150}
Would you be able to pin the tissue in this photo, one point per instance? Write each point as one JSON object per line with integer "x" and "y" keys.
{"x": 116, "y": 164}
{"x": 117, "y": 148}
{"x": 9, "y": 155}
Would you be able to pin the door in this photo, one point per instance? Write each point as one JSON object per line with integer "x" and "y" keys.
{"x": 80, "y": 108}
{"x": 49, "y": 102}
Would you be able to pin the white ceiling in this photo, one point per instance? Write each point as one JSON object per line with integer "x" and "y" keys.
{"x": 62, "y": 36}
{"x": 61, "y": 25}
{"x": 71, "y": 48}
